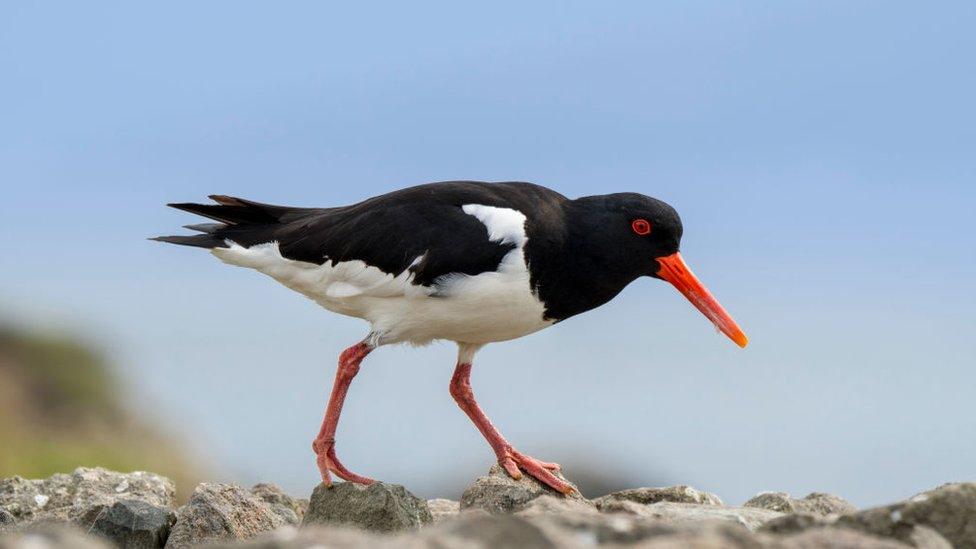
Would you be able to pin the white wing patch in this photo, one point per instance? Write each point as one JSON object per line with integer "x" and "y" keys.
{"x": 505, "y": 225}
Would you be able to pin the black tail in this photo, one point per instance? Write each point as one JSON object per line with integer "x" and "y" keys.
{"x": 236, "y": 216}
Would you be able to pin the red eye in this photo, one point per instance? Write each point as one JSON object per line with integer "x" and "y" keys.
{"x": 641, "y": 226}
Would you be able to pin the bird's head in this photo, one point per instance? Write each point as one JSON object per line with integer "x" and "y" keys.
{"x": 642, "y": 235}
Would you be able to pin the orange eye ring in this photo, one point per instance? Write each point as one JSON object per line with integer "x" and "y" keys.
{"x": 641, "y": 226}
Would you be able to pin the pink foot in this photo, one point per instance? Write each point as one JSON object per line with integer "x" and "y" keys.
{"x": 514, "y": 462}
{"x": 325, "y": 458}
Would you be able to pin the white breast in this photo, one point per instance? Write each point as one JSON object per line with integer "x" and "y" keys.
{"x": 491, "y": 306}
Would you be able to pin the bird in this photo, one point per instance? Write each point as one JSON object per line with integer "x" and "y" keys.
{"x": 464, "y": 261}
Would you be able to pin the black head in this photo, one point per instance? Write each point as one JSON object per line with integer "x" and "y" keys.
{"x": 625, "y": 236}
{"x": 632, "y": 229}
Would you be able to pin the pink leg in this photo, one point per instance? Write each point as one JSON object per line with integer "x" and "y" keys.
{"x": 324, "y": 443}
{"x": 513, "y": 461}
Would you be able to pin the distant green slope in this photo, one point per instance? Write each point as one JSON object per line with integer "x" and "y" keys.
{"x": 60, "y": 408}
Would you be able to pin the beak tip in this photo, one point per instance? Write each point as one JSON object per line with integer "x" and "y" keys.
{"x": 741, "y": 340}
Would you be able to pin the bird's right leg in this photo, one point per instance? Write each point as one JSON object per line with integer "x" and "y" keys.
{"x": 513, "y": 461}
{"x": 324, "y": 443}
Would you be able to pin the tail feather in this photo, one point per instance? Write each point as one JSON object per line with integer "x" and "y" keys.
{"x": 235, "y": 215}
{"x": 206, "y": 227}
{"x": 198, "y": 240}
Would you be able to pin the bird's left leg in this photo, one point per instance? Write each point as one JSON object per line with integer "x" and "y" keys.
{"x": 513, "y": 461}
{"x": 324, "y": 443}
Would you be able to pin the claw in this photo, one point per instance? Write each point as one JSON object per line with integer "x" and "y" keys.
{"x": 511, "y": 468}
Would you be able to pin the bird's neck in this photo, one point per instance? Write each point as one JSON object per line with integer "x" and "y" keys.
{"x": 580, "y": 270}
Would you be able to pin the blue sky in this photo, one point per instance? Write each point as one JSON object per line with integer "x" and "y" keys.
{"x": 821, "y": 155}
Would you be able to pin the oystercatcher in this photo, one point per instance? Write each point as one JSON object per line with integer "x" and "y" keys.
{"x": 464, "y": 261}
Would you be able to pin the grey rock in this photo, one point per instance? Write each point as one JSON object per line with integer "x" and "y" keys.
{"x": 443, "y": 509}
{"x": 612, "y": 529}
{"x": 555, "y": 505}
{"x": 130, "y": 523}
{"x": 870, "y": 523}
{"x": 795, "y": 523}
{"x": 497, "y": 492}
{"x": 816, "y": 503}
{"x": 49, "y": 535}
{"x": 889, "y": 523}
{"x": 594, "y": 528}
{"x": 691, "y": 513}
{"x": 6, "y": 519}
{"x": 675, "y": 494}
{"x": 827, "y": 504}
{"x": 221, "y": 512}
{"x": 832, "y": 538}
{"x": 317, "y": 537}
{"x": 378, "y": 507}
{"x": 68, "y": 497}
{"x": 485, "y": 530}
{"x": 21, "y": 498}
{"x": 950, "y": 510}
{"x": 292, "y": 510}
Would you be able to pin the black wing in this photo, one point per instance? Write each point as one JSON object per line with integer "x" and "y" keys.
{"x": 389, "y": 232}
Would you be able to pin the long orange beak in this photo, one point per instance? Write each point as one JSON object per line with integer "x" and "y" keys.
{"x": 676, "y": 271}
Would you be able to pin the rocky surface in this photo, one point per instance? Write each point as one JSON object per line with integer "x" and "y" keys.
{"x": 673, "y": 494}
{"x": 6, "y": 519}
{"x": 949, "y": 510}
{"x": 67, "y": 497}
{"x": 221, "y": 512}
{"x": 443, "y": 509}
{"x": 291, "y": 510}
{"x": 689, "y": 513}
{"x": 130, "y": 523}
{"x": 816, "y": 503}
{"x": 52, "y": 536}
{"x": 497, "y": 492}
{"x": 379, "y": 507}
{"x": 98, "y": 509}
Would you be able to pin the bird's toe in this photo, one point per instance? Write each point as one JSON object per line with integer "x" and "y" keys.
{"x": 515, "y": 463}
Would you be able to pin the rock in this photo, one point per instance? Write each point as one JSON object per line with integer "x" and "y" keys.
{"x": 833, "y": 538}
{"x": 292, "y": 510}
{"x": 674, "y": 494}
{"x": 221, "y": 512}
{"x": 6, "y": 519}
{"x": 553, "y": 505}
{"x": 314, "y": 537}
{"x": 795, "y": 523}
{"x": 592, "y": 529}
{"x": 49, "y": 535}
{"x": 815, "y": 503}
{"x": 497, "y": 492}
{"x": 889, "y": 524}
{"x": 68, "y": 497}
{"x": 443, "y": 509}
{"x": 488, "y": 531}
{"x": 950, "y": 510}
{"x": 21, "y": 498}
{"x": 827, "y": 504}
{"x": 875, "y": 524}
{"x": 378, "y": 507}
{"x": 690, "y": 513}
{"x": 130, "y": 523}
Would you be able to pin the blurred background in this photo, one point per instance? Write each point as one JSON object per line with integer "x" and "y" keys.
{"x": 821, "y": 155}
